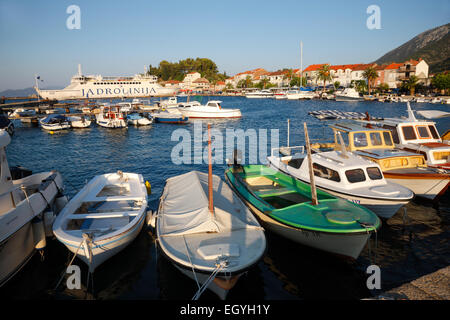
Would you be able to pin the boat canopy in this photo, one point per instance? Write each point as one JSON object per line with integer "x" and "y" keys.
{"x": 185, "y": 208}
{"x": 54, "y": 118}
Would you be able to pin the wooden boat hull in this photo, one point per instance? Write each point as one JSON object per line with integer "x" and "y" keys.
{"x": 427, "y": 186}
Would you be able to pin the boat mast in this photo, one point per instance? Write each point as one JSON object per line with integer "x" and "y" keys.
{"x": 288, "y": 131}
{"x": 210, "y": 182}
{"x": 301, "y": 63}
{"x": 314, "y": 199}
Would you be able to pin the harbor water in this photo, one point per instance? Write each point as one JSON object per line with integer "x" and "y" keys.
{"x": 406, "y": 247}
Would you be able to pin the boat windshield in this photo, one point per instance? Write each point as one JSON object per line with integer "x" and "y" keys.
{"x": 355, "y": 175}
{"x": 374, "y": 173}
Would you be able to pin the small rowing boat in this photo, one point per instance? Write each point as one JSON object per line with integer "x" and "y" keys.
{"x": 103, "y": 218}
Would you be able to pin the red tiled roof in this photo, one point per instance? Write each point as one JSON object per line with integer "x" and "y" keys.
{"x": 314, "y": 67}
{"x": 393, "y": 66}
{"x": 173, "y": 81}
{"x": 220, "y": 83}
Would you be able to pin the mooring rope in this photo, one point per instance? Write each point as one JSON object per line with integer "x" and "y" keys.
{"x": 211, "y": 278}
{"x": 367, "y": 226}
{"x": 70, "y": 263}
{"x": 190, "y": 261}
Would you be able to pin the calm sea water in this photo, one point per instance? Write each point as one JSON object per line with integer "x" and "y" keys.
{"x": 404, "y": 249}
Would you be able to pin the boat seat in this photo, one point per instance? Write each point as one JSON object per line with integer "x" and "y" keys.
{"x": 272, "y": 192}
{"x": 113, "y": 198}
{"x": 104, "y": 215}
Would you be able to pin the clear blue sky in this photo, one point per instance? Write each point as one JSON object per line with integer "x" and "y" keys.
{"x": 120, "y": 37}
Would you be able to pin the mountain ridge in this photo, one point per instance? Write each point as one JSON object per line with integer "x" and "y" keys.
{"x": 432, "y": 45}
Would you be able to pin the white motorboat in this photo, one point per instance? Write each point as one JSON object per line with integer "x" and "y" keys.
{"x": 110, "y": 117}
{"x": 349, "y": 94}
{"x": 280, "y": 95}
{"x": 259, "y": 94}
{"x": 345, "y": 175}
{"x": 420, "y": 100}
{"x": 103, "y": 218}
{"x": 213, "y": 248}
{"x": 21, "y": 112}
{"x": 27, "y": 208}
{"x": 79, "y": 122}
{"x": 125, "y": 107}
{"x": 436, "y": 100}
{"x": 55, "y": 122}
{"x": 212, "y": 109}
{"x": 171, "y": 102}
{"x": 137, "y": 120}
{"x": 300, "y": 94}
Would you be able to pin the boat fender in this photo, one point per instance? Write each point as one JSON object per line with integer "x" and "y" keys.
{"x": 38, "y": 233}
{"x": 49, "y": 218}
{"x": 151, "y": 218}
{"x": 60, "y": 203}
{"x": 149, "y": 187}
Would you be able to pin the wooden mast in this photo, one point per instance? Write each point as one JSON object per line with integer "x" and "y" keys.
{"x": 210, "y": 182}
{"x": 314, "y": 199}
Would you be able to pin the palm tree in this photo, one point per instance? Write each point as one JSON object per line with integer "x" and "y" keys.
{"x": 248, "y": 82}
{"x": 411, "y": 84}
{"x": 370, "y": 74}
{"x": 324, "y": 74}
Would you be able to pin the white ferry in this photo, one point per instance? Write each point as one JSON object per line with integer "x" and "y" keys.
{"x": 98, "y": 87}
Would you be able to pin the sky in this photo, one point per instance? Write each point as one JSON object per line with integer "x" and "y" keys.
{"x": 119, "y": 38}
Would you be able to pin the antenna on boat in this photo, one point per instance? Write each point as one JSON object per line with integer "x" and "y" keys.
{"x": 411, "y": 116}
{"x": 342, "y": 145}
{"x": 314, "y": 199}
{"x": 210, "y": 180}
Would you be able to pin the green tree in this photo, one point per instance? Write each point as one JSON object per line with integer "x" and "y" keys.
{"x": 370, "y": 74}
{"x": 295, "y": 82}
{"x": 441, "y": 81}
{"x": 336, "y": 84}
{"x": 360, "y": 85}
{"x": 383, "y": 87}
{"x": 324, "y": 74}
{"x": 411, "y": 84}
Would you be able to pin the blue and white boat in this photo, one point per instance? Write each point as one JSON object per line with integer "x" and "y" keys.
{"x": 55, "y": 122}
{"x": 166, "y": 117}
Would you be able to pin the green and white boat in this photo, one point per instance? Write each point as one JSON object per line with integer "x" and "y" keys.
{"x": 284, "y": 205}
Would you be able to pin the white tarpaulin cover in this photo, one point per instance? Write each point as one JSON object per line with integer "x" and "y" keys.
{"x": 433, "y": 114}
{"x": 184, "y": 208}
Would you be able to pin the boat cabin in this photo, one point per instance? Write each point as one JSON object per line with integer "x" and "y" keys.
{"x": 214, "y": 104}
{"x": 373, "y": 143}
{"x": 335, "y": 169}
